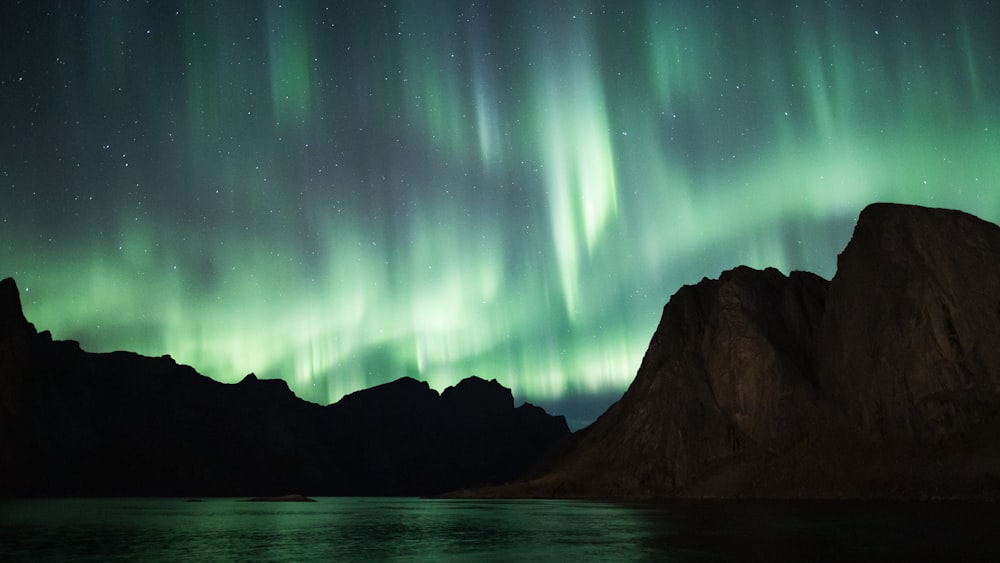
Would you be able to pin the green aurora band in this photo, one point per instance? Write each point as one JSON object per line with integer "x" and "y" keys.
{"x": 343, "y": 193}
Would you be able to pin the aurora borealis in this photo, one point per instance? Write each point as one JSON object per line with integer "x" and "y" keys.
{"x": 343, "y": 193}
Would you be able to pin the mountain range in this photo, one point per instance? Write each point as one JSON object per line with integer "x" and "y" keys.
{"x": 74, "y": 423}
{"x": 883, "y": 382}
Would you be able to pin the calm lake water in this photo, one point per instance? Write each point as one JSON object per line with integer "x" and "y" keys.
{"x": 404, "y": 529}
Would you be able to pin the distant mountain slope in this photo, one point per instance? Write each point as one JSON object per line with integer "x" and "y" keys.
{"x": 76, "y": 423}
{"x": 884, "y": 382}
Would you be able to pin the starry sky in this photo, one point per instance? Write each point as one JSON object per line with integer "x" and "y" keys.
{"x": 343, "y": 193}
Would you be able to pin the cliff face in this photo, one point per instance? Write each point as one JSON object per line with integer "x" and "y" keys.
{"x": 75, "y": 423}
{"x": 910, "y": 346}
{"x": 728, "y": 371}
{"x": 761, "y": 384}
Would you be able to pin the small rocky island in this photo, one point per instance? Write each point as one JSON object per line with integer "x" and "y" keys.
{"x": 283, "y": 498}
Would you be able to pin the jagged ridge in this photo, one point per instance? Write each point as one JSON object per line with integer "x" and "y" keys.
{"x": 120, "y": 424}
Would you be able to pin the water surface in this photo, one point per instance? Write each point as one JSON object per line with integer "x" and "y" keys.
{"x": 406, "y": 529}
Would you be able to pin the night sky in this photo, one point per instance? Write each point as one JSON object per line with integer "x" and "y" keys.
{"x": 343, "y": 193}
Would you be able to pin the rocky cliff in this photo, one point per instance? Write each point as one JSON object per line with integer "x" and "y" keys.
{"x": 75, "y": 423}
{"x": 880, "y": 383}
{"x": 910, "y": 344}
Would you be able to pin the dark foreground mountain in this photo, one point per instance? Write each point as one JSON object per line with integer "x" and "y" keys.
{"x": 74, "y": 423}
{"x": 884, "y": 382}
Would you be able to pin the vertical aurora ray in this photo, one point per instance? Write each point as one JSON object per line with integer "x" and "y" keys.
{"x": 289, "y": 61}
{"x": 343, "y": 194}
{"x": 577, "y": 156}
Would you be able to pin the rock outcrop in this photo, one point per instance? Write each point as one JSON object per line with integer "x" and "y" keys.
{"x": 73, "y": 423}
{"x": 12, "y": 318}
{"x": 910, "y": 346}
{"x": 881, "y": 383}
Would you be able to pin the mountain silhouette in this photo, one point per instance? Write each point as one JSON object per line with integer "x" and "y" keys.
{"x": 74, "y": 423}
{"x": 881, "y": 383}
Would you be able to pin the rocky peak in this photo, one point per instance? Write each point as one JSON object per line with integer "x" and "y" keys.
{"x": 913, "y": 321}
{"x": 731, "y": 358}
{"x": 475, "y": 393}
{"x": 404, "y": 397}
{"x": 11, "y": 315}
{"x": 266, "y": 389}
